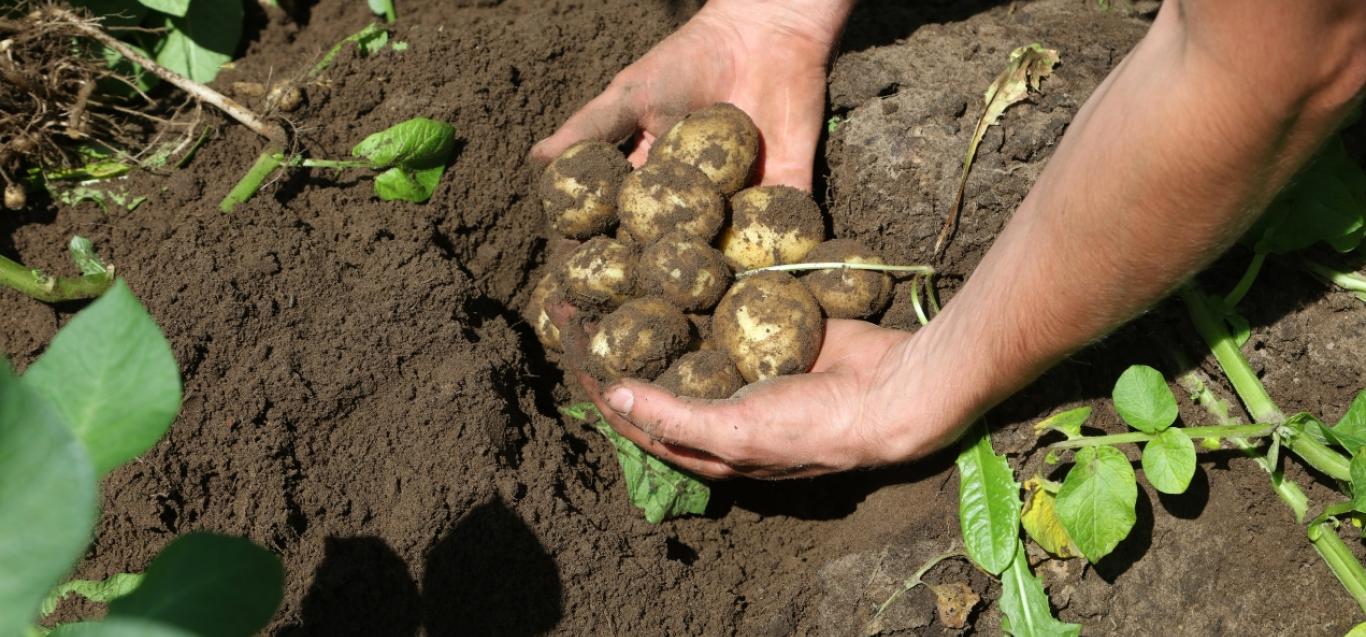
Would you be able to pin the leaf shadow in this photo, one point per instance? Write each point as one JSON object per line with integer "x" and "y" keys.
{"x": 1132, "y": 548}
{"x": 1188, "y": 505}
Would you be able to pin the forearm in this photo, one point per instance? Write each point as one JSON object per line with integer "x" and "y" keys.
{"x": 1162, "y": 169}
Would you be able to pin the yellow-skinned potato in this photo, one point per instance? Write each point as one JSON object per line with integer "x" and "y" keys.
{"x": 548, "y": 288}
{"x": 706, "y": 374}
{"x": 638, "y": 340}
{"x": 769, "y": 325}
{"x": 579, "y": 189}
{"x": 685, "y": 270}
{"x": 720, "y": 139}
{"x": 850, "y": 294}
{"x": 771, "y": 225}
{"x": 601, "y": 273}
{"x": 667, "y": 195}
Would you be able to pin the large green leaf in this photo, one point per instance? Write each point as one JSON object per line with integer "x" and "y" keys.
{"x": 200, "y": 43}
{"x": 210, "y": 585}
{"x": 1169, "y": 461}
{"x": 1144, "y": 400}
{"x": 1350, "y": 432}
{"x": 113, "y": 378}
{"x": 1097, "y": 499}
{"x": 653, "y": 486}
{"x": 120, "y": 627}
{"x": 988, "y": 503}
{"x": 1024, "y": 604}
{"x": 1325, "y": 203}
{"x": 415, "y": 144}
{"x": 176, "y": 8}
{"x": 400, "y": 184}
{"x": 113, "y": 13}
{"x": 48, "y": 501}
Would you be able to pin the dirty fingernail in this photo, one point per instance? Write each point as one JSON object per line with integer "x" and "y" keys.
{"x": 621, "y": 400}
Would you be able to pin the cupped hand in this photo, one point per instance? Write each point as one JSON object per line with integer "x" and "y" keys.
{"x": 770, "y": 62}
{"x": 860, "y": 406}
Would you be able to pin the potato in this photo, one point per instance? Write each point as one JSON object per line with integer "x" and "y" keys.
{"x": 579, "y": 189}
{"x": 666, "y": 195}
{"x": 547, "y": 289}
{"x": 601, "y": 274}
{"x": 769, "y": 325}
{"x": 685, "y": 270}
{"x": 771, "y": 225}
{"x": 705, "y": 374}
{"x": 638, "y": 340}
{"x": 720, "y": 139}
{"x": 850, "y": 294}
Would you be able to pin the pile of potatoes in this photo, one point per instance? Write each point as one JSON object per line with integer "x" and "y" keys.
{"x": 662, "y": 292}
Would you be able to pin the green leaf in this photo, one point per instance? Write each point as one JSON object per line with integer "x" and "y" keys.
{"x": 417, "y": 187}
{"x": 98, "y": 591}
{"x": 1144, "y": 400}
{"x": 653, "y": 486}
{"x": 48, "y": 501}
{"x": 1169, "y": 461}
{"x": 209, "y": 585}
{"x": 120, "y": 627}
{"x": 1357, "y": 631}
{"x": 112, "y": 376}
{"x": 1325, "y": 203}
{"x": 383, "y": 8}
{"x": 1350, "y": 432}
{"x": 369, "y": 40}
{"x": 416, "y": 144}
{"x": 1097, "y": 500}
{"x": 1024, "y": 604}
{"x": 176, "y": 8}
{"x": 1359, "y": 481}
{"x": 988, "y": 503}
{"x": 1068, "y": 423}
{"x": 200, "y": 43}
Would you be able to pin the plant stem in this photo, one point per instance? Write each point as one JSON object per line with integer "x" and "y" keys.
{"x": 50, "y": 289}
{"x": 1212, "y": 431}
{"x": 1245, "y": 283}
{"x": 1350, "y": 281}
{"x": 251, "y": 182}
{"x": 1230, "y": 358}
{"x": 1320, "y": 456}
{"x": 915, "y": 301}
{"x": 1340, "y": 560}
{"x": 339, "y": 164}
{"x": 914, "y": 580}
{"x": 838, "y": 265}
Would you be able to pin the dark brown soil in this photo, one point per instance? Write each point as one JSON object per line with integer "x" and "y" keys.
{"x": 363, "y": 398}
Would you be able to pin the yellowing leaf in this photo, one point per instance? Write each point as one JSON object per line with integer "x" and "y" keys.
{"x": 1040, "y": 520}
{"x": 1068, "y": 423}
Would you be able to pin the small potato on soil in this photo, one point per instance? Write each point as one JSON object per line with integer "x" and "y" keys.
{"x": 720, "y": 139}
{"x": 850, "y": 294}
{"x": 547, "y": 289}
{"x": 601, "y": 274}
{"x": 579, "y": 189}
{"x": 638, "y": 340}
{"x": 667, "y": 195}
{"x": 769, "y": 325}
{"x": 771, "y": 225}
{"x": 685, "y": 270}
{"x": 705, "y": 374}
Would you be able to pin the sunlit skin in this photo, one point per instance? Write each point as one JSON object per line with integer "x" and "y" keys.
{"x": 1164, "y": 166}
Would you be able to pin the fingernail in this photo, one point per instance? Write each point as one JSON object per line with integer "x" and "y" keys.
{"x": 621, "y": 400}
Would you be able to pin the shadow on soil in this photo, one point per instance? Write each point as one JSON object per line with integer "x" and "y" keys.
{"x": 489, "y": 575}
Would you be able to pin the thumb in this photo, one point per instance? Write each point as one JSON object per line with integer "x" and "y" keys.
{"x": 713, "y": 426}
{"x": 612, "y": 116}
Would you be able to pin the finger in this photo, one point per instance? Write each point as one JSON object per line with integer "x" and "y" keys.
{"x": 611, "y": 117}
{"x": 640, "y": 150}
{"x": 714, "y": 426}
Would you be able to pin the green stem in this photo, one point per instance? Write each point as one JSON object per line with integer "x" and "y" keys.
{"x": 1213, "y": 431}
{"x": 915, "y": 579}
{"x": 50, "y": 289}
{"x": 1340, "y": 559}
{"x": 251, "y": 182}
{"x": 339, "y": 164}
{"x": 915, "y": 301}
{"x": 1245, "y": 283}
{"x": 1230, "y": 358}
{"x": 1319, "y": 456}
{"x": 838, "y": 265}
{"x": 1350, "y": 281}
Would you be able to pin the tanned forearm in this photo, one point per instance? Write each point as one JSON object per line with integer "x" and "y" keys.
{"x": 1163, "y": 168}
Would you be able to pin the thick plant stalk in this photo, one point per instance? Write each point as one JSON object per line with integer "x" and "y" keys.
{"x": 51, "y": 289}
{"x": 1230, "y": 358}
{"x": 251, "y": 182}
{"x": 1340, "y": 560}
{"x": 1214, "y": 431}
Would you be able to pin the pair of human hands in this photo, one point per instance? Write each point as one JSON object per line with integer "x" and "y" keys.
{"x": 855, "y": 408}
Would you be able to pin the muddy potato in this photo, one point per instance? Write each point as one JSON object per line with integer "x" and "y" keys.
{"x": 667, "y": 195}
{"x": 601, "y": 273}
{"x": 638, "y": 340}
{"x": 851, "y": 294}
{"x": 769, "y": 325}
{"x": 704, "y": 374}
{"x": 549, "y": 335}
{"x": 685, "y": 270}
{"x": 579, "y": 189}
{"x": 721, "y": 140}
{"x": 771, "y": 225}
